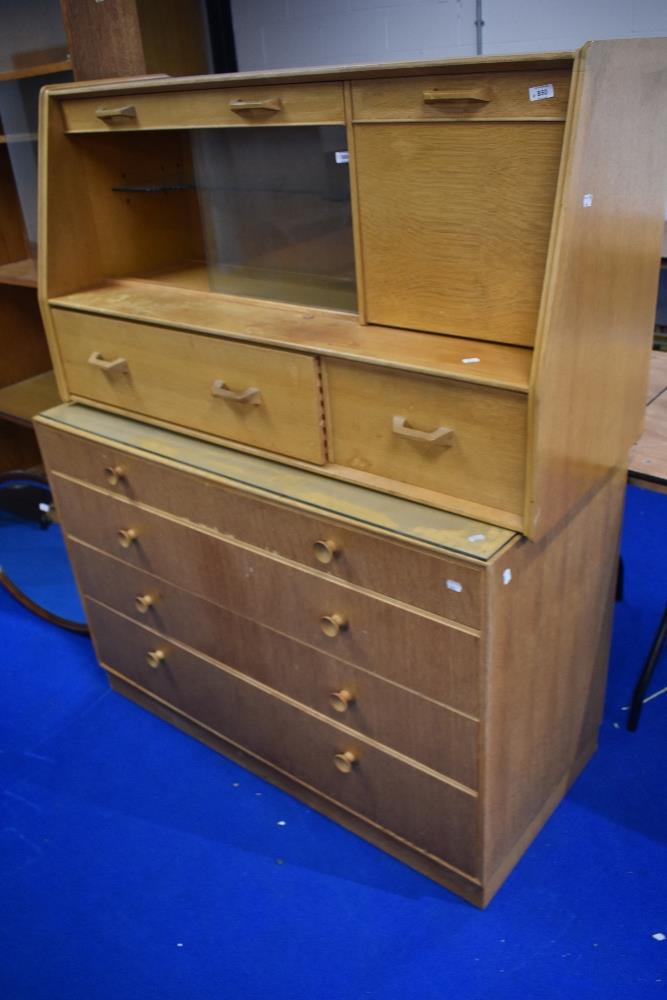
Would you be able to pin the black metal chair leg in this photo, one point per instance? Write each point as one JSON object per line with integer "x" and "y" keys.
{"x": 647, "y": 673}
{"x": 620, "y": 579}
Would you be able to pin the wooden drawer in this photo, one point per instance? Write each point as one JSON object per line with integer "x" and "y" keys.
{"x": 445, "y": 587}
{"x": 430, "y": 813}
{"x": 371, "y": 411}
{"x": 286, "y": 104}
{"x": 476, "y": 96}
{"x": 408, "y": 647}
{"x": 170, "y": 375}
{"x": 415, "y": 726}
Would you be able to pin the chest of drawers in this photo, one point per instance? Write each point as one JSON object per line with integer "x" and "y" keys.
{"x": 432, "y": 682}
{"x": 433, "y": 280}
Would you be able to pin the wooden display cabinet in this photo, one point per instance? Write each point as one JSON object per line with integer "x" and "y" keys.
{"x": 434, "y": 280}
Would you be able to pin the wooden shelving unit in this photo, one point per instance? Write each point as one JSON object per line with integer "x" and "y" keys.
{"x": 22, "y": 401}
{"x": 19, "y": 272}
{"x": 43, "y": 69}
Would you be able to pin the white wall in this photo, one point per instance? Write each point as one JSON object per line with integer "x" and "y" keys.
{"x": 278, "y": 33}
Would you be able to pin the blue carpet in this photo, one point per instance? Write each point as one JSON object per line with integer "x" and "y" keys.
{"x": 137, "y": 864}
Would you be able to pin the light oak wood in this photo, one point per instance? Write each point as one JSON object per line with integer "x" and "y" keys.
{"x": 484, "y": 460}
{"x": 428, "y": 865}
{"x": 444, "y": 740}
{"x": 382, "y": 635}
{"x": 171, "y": 372}
{"x": 52, "y": 68}
{"x": 19, "y": 272}
{"x": 176, "y": 457}
{"x": 310, "y": 104}
{"x": 303, "y": 744}
{"x": 474, "y": 267}
{"x": 182, "y": 605}
{"x": 321, "y": 332}
{"x": 589, "y": 380}
{"x": 501, "y": 95}
{"x": 22, "y": 401}
{"x": 551, "y": 633}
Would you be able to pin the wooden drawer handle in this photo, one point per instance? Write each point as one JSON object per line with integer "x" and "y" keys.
{"x": 143, "y": 603}
{"x": 155, "y": 657}
{"x": 332, "y": 625}
{"x": 341, "y": 700}
{"x": 239, "y": 105}
{"x": 442, "y": 436}
{"x": 481, "y": 95}
{"x": 325, "y": 551}
{"x": 346, "y": 761}
{"x": 113, "y": 474}
{"x": 117, "y": 365}
{"x": 250, "y": 395}
{"x": 110, "y": 114}
{"x": 126, "y": 536}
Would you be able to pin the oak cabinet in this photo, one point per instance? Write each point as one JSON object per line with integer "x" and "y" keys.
{"x": 452, "y": 306}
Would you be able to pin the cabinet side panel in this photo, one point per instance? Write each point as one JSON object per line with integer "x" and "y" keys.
{"x": 591, "y": 366}
{"x": 549, "y": 630}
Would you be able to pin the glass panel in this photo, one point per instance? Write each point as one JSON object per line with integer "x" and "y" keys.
{"x": 275, "y": 209}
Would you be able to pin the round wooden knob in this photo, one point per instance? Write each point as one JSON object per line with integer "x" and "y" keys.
{"x": 341, "y": 700}
{"x": 154, "y": 657}
{"x": 345, "y": 761}
{"x": 113, "y": 474}
{"x": 126, "y": 536}
{"x": 143, "y": 602}
{"x": 331, "y": 625}
{"x": 325, "y": 551}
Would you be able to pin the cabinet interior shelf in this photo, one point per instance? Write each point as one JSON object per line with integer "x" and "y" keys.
{"x": 22, "y": 401}
{"x": 19, "y": 272}
{"x": 40, "y": 69}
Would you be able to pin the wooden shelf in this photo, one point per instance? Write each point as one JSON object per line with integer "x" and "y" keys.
{"x": 24, "y": 400}
{"x": 6, "y": 140}
{"x": 316, "y": 331}
{"x": 41, "y": 69}
{"x": 19, "y": 272}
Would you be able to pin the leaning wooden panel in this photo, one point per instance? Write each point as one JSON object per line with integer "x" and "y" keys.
{"x": 589, "y": 380}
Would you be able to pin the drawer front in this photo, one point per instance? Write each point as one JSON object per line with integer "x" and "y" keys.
{"x": 450, "y": 437}
{"x": 429, "y": 813}
{"x": 270, "y": 399}
{"x": 417, "y": 727}
{"x": 280, "y": 104}
{"x": 443, "y": 586}
{"x": 412, "y": 649}
{"x": 472, "y": 96}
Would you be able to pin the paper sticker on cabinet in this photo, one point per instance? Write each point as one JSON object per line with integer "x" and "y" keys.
{"x": 541, "y": 93}
{"x": 587, "y": 200}
{"x": 342, "y": 157}
{"x": 507, "y": 576}
{"x": 470, "y": 361}
{"x": 455, "y": 586}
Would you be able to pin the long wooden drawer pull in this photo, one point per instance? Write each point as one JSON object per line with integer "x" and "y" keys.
{"x": 251, "y": 396}
{"x": 346, "y": 761}
{"x": 111, "y": 114}
{"x": 143, "y": 603}
{"x": 239, "y": 105}
{"x": 155, "y": 657}
{"x": 341, "y": 700}
{"x": 126, "y": 536}
{"x": 481, "y": 95}
{"x": 117, "y": 365}
{"x": 332, "y": 625}
{"x": 113, "y": 474}
{"x": 325, "y": 551}
{"x": 443, "y": 436}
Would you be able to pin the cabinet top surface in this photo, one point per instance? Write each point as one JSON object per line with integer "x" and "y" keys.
{"x": 471, "y": 64}
{"x": 316, "y": 493}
